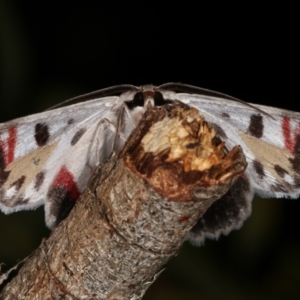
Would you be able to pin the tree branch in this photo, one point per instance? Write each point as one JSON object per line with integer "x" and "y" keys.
{"x": 136, "y": 214}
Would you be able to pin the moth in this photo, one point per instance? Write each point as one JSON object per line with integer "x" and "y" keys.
{"x": 48, "y": 158}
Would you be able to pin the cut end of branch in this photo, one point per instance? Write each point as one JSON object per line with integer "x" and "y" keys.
{"x": 178, "y": 153}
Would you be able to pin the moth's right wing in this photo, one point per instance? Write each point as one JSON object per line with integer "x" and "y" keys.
{"x": 56, "y": 148}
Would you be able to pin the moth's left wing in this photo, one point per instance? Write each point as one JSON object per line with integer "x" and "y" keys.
{"x": 270, "y": 139}
{"x": 53, "y": 154}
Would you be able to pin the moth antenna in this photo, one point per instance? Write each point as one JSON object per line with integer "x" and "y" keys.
{"x": 116, "y": 89}
{"x": 182, "y": 87}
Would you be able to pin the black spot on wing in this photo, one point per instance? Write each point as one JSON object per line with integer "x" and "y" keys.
{"x": 259, "y": 169}
{"x": 219, "y": 131}
{"x": 296, "y": 182}
{"x": 41, "y": 134}
{"x": 3, "y": 174}
{"x": 19, "y": 182}
{"x": 256, "y": 126}
{"x": 280, "y": 171}
{"x": 77, "y": 136}
{"x": 12, "y": 201}
{"x": 279, "y": 188}
{"x": 225, "y": 115}
{"x": 20, "y": 200}
{"x": 39, "y": 179}
{"x": 71, "y": 121}
{"x": 2, "y": 197}
{"x": 61, "y": 203}
{"x": 2, "y": 160}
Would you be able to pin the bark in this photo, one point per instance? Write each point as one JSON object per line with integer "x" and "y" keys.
{"x": 136, "y": 214}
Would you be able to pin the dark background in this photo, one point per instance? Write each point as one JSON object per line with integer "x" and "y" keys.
{"x": 51, "y": 52}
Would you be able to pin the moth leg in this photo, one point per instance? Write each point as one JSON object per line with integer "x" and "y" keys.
{"x": 103, "y": 142}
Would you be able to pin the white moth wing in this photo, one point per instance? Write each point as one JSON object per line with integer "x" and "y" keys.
{"x": 60, "y": 147}
{"x": 270, "y": 141}
{"x": 50, "y": 157}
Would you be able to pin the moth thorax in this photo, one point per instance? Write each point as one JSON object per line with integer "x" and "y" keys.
{"x": 149, "y": 99}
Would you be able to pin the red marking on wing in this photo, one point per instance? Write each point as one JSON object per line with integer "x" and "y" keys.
{"x": 290, "y": 135}
{"x": 12, "y": 139}
{"x": 8, "y": 146}
{"x": 65, "y": 178}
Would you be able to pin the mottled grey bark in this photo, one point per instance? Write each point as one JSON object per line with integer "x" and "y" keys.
{"x": 135, "y": 215}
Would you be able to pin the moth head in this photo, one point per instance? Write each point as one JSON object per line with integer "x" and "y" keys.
{"x": 146, "y": 97}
